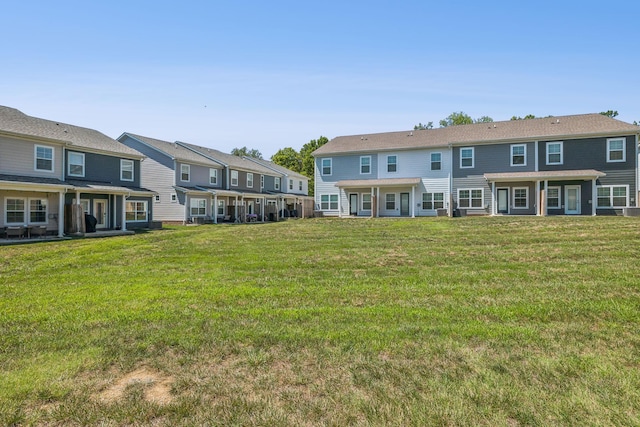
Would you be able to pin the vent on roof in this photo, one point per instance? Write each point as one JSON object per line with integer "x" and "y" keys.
{"x": 410, "y": 134}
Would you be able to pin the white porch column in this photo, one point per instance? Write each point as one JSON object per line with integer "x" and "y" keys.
{"x": 236, "y": 209}
{"x": 494, "y": 208}
{"x": 546, "y": 193}
{"x": 124, "y": 213}
{"x": 215, "y": 208}
{"x": 413, "y": 202}
{"x": 264, "y": 208}
{"x": 339, "y": 203}
{"x": 61, "y": 214}
{"x": 594, "y": 197}
{"x": 538, "y": 210}
{"x": 374, "y": 202}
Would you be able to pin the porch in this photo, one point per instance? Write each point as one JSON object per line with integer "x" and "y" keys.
{"x": 377, "y": 197}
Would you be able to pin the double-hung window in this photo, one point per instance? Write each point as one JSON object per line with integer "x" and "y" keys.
{"x": 291, "y": 185}
{"x": 37, "y": 211}
{"x": 470, "y": 198}
{"x": 234, "y": 178}
{"x": 329, "y": 202}
{"x": 326, "y": 166}
{"x": 616, "y": 150}
{"x": 136, "y": 211}
{"x": 276, "y": 183}
{"x": 261, "y": 182}
{"x": 432, "y": 201}
{"x": 518, "y": 155}
{"x": 43, "y": 158}
{"x": 16, "y": 211}
{"x": 221, "y": 207}
{"x": 185, "y": 173}
{"x": 365, "y": 164}
{"x": 198, "y": 207}
{"x": 213, "y": 176}
{"x": 249, "y": 180}
{"x": 390, "y": 201}
{"x": 392, "y": 163}
{"x": 466, "y": 157}
{"x": 553, "y": 198}
{"x": 521, "y": 198}
{"x": 76, "y": 164}
{"x": 613, "y": 196}
{"x": 436, "y": 161}
{"x": 126, "y": 170}
{"x": 299, "y": 185}
{"x": 366, "y": 201}
{"x": 554, "y": 153}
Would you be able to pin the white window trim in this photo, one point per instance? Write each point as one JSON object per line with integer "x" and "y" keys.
{"x": 299, "y": 185}
{"x": 290, "y": 185}
{"x": 330, "y": 160}
{"x": 145, "y": 210}
{"x": 261, "y": 182}
{"x": 432, "y": 161}
{"x": 221, "y": 204}
{"x": 473, "y": 157}
{"x": 611, "y": 187}
{"x": 174, "y": 198}
{"x": 249, "y": 180}
{"x": 524, "y": 154}
{"x": 46, "y": 210}
{"x": 276, "y": 183}
{"x": 213, "y": 176}
{"x": 361, "y": 165}
{"x": 122, "y": 169}
{"x": 73, "y": 153}
{"x": 624, "y": 150}
{"x": 432, "y": 201}
{"x": 188, "y": 167}
{"x": 234, "y": 177}
{"x": 513, "y": 198}
{"x": 386, "y": 200}
{"x": 35, "y": 158}
{"x": 362, "y": 208}
{"x": 559, "y": 206}
{"x": 395, "y": 164}
{"x": 470, "y": 190}
{"x": 561, "y": 152}
{"x": 25, "y": 211}
{"x": 197, "y": 206}
{"x": 328, "y": 196}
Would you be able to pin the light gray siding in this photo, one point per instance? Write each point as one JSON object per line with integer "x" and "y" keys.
{"x": 17, "y": 157}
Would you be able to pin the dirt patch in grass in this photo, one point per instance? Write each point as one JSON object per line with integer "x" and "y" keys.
{"x": 157, "y": 387}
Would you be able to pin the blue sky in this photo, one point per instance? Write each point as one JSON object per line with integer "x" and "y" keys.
{"x": 270, "y": 75}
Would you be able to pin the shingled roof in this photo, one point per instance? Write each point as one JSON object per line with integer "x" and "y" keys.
{"x": 548, "y": 128}
{"x": 173, "y": 150}
{"x": 16, "y": 123}
{"x": 276, "y": 167}
{"x": 235, "y": 162}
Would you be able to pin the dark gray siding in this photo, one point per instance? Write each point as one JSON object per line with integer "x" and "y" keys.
{"x": 159, "y": 157}
{"x": 346, "y": 167}
{"x": 103, "y": 168}
{"x": 269, "y": 182}
{"x": 493, "y": 158}
{"x": 199, "y": 176}
{"x": 587, "y": 154}
{"x": 531, "y": 202}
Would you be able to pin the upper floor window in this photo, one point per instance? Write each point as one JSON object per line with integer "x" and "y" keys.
{"x": 616, "y": 150}
{"x": 365, "y": 164}
{"x": 519, "y": 155}
{"x": 554, "y": 153}
{"x": 76, "y": 164}
{"x": 249, "y": 180}
{"x": 466, "y": 157}
{"x": 185, "y": 173}
{"x": 326, "y": 166}
{"x": 299, "y": 185}
{"x": 392, "y": 163}
{"x": 234, "y": 178}
{"x": 43, "y": 158}
{"x": 290, "y": 184}
{"x": 126, "y": 170}
{"x": 261, "y": 182}
{"x": 276, "y": 183}
{"x": 213, "y": 176}
{"x": 436, "y": 161}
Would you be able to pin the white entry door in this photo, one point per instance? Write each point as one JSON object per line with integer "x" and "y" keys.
{"x": 100, "y": 212}
{"x": 572, "y": 200}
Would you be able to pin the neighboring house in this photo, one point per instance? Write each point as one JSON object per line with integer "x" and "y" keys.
{"x": 574, "y": 165}
{"x": 183, "y": 181}
{"x": 47, "y": 167}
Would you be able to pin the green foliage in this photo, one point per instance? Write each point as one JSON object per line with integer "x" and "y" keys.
{"x": 455, "y": 119}
{"x": 308, "y": 162}
{"x": 244, "y": 151}
{"x": 484, "y": 119}
{"x": 420, "y": 126}
{"x": 609, "y": 113}
{"x": 527, "y": 117}
{"x": 288, "y": 158}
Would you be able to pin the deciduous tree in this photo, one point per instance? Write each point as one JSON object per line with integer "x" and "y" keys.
{"x": 244, "y": 151}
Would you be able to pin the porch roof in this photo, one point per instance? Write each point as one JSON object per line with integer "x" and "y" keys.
{"x": 31, "y": 181}
{"x": 106, "y": 187}
{"x": 387, "y": 182}
{"x": 581, "y": 174}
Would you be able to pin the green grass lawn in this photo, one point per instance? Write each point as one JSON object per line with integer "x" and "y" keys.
{"x": 467, "y": 321}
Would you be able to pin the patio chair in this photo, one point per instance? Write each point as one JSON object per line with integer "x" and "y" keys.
{"x": 15, "y": 231}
